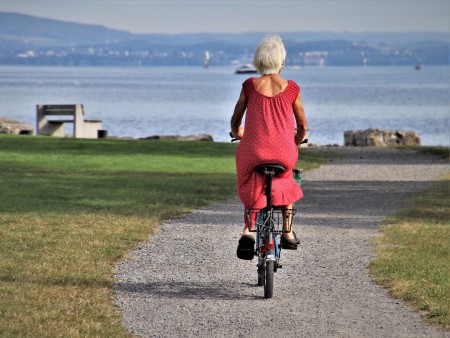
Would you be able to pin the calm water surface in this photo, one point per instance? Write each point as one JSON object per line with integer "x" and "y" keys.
{"x": 140, "y": 102}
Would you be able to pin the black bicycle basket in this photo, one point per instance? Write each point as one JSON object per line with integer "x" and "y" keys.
{"x": 260, "y": 219}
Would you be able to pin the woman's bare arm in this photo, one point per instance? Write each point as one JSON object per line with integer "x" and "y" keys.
{"x": 236, "y": 119}
{"x": 300, "y": 118}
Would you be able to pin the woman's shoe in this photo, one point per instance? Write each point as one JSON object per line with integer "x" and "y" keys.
{"x": 295, "y": 236}
{"x": 290, "y": 244}
{"x": 246, "y": 247}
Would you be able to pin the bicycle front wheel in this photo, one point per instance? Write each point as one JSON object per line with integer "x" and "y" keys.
{"x": 268, "y": 285}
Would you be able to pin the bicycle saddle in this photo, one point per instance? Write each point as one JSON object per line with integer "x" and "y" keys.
{"x": 270, "y": 169}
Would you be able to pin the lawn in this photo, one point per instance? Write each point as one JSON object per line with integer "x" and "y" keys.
{"x": 414, "y": 251}
{"x": 70, "y": 209}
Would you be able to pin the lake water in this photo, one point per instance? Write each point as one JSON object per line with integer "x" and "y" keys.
{"x": 140, "y": 102}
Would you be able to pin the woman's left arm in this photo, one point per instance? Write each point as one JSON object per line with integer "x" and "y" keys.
{"x": 236, "y": 119}
{"x": 300, "y": 118}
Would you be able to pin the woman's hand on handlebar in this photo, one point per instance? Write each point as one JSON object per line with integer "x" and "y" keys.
{"x": 300, "y": 137}
{"x": 233, "y": 139}
{"x": 304, "y": 141}
{"x": 237, "y": 135}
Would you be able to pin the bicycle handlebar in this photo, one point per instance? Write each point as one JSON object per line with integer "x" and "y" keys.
{"x": 234, "y": 139}
{"x": 304, "y": 141}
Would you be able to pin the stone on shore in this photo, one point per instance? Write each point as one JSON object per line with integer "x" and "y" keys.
{"x": 9, "y": 126}
{"x": 199, "y": 137}
{"x": 380, "y": 138}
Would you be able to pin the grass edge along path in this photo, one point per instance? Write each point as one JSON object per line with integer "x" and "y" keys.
{"x": 414, "y": 248}
{"x": 72, "y": 208}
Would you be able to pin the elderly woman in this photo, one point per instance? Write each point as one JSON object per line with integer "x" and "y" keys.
{"x": 273, "y": 111}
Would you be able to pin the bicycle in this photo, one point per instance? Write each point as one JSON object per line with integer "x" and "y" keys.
{"x": 269, "y": 224}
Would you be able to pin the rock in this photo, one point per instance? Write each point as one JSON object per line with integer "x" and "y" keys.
{"x": 380, "y": 138}
{"x": 199, "y": 137}
{"x": 161, "y": 137}
{"x": 8, "y": 126}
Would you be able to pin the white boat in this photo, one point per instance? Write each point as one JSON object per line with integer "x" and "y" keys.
{"x": 246, "y": 69}
{"x": 206, "y": 59}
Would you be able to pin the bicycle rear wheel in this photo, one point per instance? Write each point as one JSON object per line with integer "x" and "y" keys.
{"x": 268, "y": 285}
{"x": 261, "y": 279}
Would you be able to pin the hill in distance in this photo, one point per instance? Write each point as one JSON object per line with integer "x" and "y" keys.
{"x": 31, "y": 40}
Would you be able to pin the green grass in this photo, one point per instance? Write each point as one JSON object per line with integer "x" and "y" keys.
{"x": 443, "y": 152}
{"x": 414, "y": 251}
{"x": 70, "y": 209}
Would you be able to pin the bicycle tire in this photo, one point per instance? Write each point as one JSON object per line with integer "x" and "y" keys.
{"x": 268, "y": 285}
{"x": 261, "y": 280}
{"x": 261, "y": 275}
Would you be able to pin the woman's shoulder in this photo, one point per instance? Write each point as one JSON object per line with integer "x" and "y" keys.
{"x": 293, "y": 84}
{"x": 247, "y": 85}
{"x": 249, "y": 81}
{"x": 293, "y": 88}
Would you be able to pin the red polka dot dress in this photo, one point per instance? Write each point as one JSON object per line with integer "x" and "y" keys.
{"x": 268, "y": 138}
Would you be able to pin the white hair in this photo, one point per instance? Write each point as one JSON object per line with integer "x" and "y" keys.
{"x": 269, "y": 55}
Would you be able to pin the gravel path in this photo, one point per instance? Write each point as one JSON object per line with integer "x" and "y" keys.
{"x": 186, "y": 280}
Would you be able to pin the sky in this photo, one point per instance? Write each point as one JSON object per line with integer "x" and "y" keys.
{"x": 233, "y": 16}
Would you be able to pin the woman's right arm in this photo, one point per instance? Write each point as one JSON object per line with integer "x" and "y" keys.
{"x": 236, "y": 119}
